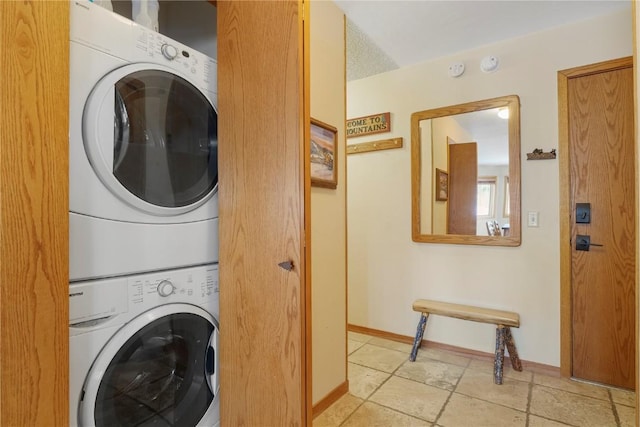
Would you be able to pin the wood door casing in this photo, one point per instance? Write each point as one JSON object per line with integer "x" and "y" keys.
{"x": 263, "y": 307}
{"x": 602, "y": 172}
{"x": 34, "y": 277}
{"x": 463, "y": 189}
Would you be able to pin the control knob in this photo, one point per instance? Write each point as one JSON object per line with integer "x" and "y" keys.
{"x": 165, "y": 288}
{"x": 169, "y": 52}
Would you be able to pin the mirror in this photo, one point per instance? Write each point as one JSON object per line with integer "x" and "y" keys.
{"x": 465, "y": 173}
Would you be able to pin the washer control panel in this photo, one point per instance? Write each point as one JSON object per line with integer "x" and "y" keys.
{"x": 191, "y": 285}
{"x": 93, "y": 302}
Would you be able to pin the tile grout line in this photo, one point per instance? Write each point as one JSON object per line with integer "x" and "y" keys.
{"x": 614, "y": 409}
{"x": 363, "y": 400}
{"x": 351, "y": 414}
{"x": 455, "y": 387}
{"x": 546, "y": 417}
{"x": 577, "y": 393}
{"x": 366, "y": 399}
{"x": 387, "y": 380}
{"x": 392, "y": 374}
{"x": 528, "y": 412}
{"x": 490, "y": 401}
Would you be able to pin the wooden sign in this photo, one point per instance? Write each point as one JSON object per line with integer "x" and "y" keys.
{"x": 368, "y": 125}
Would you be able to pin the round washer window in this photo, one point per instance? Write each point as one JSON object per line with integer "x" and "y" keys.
{"x": 165, "y": 139}
{"x": 159, "y": 376}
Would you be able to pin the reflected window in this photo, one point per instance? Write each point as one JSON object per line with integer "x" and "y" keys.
{"x": 486, "y": 196}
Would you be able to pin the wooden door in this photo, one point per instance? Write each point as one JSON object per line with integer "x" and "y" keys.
{"x": 463, "y": 188}
{"x": 263, "y": 191}
{"x": 34, "y": 276}
{"x": 601, "y": 142}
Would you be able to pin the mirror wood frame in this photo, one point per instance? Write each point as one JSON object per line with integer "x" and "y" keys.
{"x": 514, "y": 238}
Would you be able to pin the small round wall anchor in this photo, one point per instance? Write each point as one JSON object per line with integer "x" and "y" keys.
{"x": 456, "y": 69}
{"x": 489, "y": 64}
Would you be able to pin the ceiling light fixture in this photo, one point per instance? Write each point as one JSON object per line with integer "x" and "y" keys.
{"x": 503, "y": 112}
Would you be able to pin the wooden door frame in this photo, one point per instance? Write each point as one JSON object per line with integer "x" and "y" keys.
{"x": 305, "y": 48}
{"x": 566, "y": 338}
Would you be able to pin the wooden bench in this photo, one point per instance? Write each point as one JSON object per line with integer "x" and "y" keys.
{"x": 502, "y": 319}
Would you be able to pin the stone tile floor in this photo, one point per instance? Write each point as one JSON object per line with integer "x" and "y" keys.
{"x": 448, "y": 389}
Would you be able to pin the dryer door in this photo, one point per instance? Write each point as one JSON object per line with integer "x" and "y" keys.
{"x": 159, "y": 369}
{"x": 152, "y": 139}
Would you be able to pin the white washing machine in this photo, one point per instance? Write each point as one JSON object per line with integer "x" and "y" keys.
{"x": 143, "y": 350}
{"x": 143, "y": 149}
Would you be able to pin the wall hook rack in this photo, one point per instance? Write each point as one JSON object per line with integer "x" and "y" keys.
{"x": 539, "y": 154}
{"x": 365, "y": 147}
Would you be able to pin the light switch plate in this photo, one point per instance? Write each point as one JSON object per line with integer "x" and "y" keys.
{"x": 532, "y": 219}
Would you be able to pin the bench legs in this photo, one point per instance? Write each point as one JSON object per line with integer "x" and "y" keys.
{"x": 417, "y": 342}
{"x": 513, "y": 353}
{"x": 504, "y": 337}
{"x": 499, "y": 360}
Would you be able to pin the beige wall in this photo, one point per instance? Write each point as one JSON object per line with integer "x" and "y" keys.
{"x": 387, "y": 271}
{"x": 328, "y": 207}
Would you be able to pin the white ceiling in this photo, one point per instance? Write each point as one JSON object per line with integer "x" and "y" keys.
{"x": 408, "y": 32}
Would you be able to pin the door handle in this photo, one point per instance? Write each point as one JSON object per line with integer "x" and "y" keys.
{"x": 583, "y": 243}
{"x": 287, "y": 265}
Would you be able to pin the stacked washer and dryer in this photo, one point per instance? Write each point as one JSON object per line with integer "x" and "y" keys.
{"x": 143, "y": 226}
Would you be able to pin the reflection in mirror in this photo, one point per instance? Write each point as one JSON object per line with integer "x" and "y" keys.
{"x": 474, "y": 149}
{"x": 466, "y": 173}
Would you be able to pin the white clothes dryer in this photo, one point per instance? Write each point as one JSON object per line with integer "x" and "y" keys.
{"x": 143, "y": 350}
{"x": 143, "y": 149}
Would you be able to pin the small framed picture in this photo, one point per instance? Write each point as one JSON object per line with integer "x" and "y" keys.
{"x": 324, "y": 144}
{"x": 442, "y": 185}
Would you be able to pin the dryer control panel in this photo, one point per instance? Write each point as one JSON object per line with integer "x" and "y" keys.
{"x": 108, "y": 32}
{"x": 159, "y": 48}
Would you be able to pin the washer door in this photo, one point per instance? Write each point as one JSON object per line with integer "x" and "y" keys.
{"x": 158, "y": 370}
{"x": 152, "y": 139}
